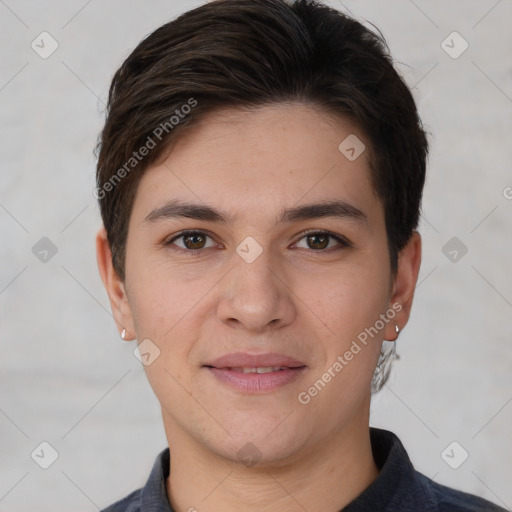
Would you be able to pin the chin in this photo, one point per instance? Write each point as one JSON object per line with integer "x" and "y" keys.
{"x": 261, "y": 443}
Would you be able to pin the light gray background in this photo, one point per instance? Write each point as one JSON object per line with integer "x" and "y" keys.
{"x": 67, "y": 378}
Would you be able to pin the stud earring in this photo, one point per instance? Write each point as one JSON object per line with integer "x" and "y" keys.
{"x": 123, "y": 334}
{"x": 397, "y": 329}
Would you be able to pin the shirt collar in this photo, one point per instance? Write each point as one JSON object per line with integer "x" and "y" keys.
{"x": 153, "y": 497}
{"x": 398, "y": 486}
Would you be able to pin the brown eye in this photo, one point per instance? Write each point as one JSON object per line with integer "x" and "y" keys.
{"x": 194, "y": 241}
{"x": 320, "y": 241}
{"x": 191, "y": 241}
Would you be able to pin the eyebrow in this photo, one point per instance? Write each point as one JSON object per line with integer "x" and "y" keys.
{"x": 180, "y": 209}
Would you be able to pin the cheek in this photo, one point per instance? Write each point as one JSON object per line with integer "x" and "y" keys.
{"x": 162, "y": 295}
{"x": 171, "y": 311}
{"x": 349, "y": 301}
{"x": 351, "y": 308}
{"x": 166, "y": 312}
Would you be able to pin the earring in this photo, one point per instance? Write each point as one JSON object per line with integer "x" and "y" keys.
{"x": 397, "y": 329}
{"x": 123, "y": 334}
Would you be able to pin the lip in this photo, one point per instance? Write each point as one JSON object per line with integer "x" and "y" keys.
{"x": 243, "y": 359}
{"x": 255, "y": 383}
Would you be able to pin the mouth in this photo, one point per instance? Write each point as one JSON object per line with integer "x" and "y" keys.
{"x": 256, "y": 373}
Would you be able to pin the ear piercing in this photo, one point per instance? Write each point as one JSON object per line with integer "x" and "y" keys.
{"x": 123, "y": 334}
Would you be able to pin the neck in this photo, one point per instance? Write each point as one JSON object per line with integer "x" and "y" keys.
{"x": 332, "y": 473}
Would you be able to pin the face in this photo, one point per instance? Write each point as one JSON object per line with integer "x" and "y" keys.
{"x": 261, "y": 282}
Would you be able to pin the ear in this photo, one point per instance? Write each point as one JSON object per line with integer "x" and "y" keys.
{"x": 114, "y": 286}
{"x": 409, "y": 261}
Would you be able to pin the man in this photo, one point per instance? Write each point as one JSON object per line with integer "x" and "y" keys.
{"x": 260, "y": 176}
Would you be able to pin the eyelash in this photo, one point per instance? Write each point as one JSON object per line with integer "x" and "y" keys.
{"x": 344, "y": 243}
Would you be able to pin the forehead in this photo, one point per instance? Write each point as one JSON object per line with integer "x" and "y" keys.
{"x": 283, "y": 154}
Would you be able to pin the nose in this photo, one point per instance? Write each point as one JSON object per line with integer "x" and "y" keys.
{"x": 256, "y": 296}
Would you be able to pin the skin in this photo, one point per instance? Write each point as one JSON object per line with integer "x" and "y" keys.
{"x": 299, "y": 297}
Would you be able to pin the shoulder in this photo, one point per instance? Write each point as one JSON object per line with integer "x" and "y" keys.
{"x": 400, "y": 487}
{"x": 130, "y": 503}
{"x": 452, "y": 500}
